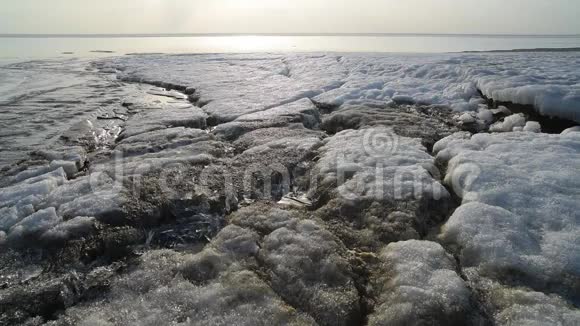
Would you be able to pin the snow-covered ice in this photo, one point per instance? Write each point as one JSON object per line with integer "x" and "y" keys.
{"x": 34, "y": 224}
{"x": 155, "y": 293}
{"x": 75, "y": 227}
{"x": 509, "y": 123}
{"x": 418, "y": 284}
{"x": 307, "y": 265}
{"x": 146, "y": 189}
{"x": 156, "y": 119}
{"x": 542, "y": 80}
{"x": 302, "y": 111}
{"x": 519, "y": 212}
{"x": 247, "y": 83}
{"x": 532, "y": 126}
{"x": 381, "y": 182}
{"x": 572, "y": 129}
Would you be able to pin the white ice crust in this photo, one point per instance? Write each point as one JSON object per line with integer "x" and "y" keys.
{"x": 519, "y": 214}
{"x": 232, "y": 85}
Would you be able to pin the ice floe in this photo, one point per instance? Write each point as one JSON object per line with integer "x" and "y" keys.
{"x": 302, "y": 111}
{"x": 381, "y": 182}
{"x": 572, "y": 129}
{"x": 509, "y": 123}
{"x": 418, "y": 284}
{"x": 520, "y": 210}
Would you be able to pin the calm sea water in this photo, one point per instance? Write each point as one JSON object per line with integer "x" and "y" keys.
{"x": 83, "y": 47}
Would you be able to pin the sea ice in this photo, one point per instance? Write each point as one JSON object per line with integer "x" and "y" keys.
{"x": 454, "y": 80}
{"x": 569, "y": 130}
{"x": 106, "y": 206}
{"x": 151, "y": 120}
{"x": 73, "y": 228}
{"x": 11, "y": 195}
{"x": 34, "y": 225}
{"x": 221, "y": 84}
{"x": 155, "y": 293}
{"x": 13, "y": 214}
{"x": 158, "y": 140}
{"x": 367, "y": 174}
{"x": 509, "y": 123}
{"x": 516, "y": 306}
{"x": 418, "y": 285}
{"x": 427, "y": 123}
{"x": 308, "y": 269}
{"x": 532, "y": 126}
{"x": 302, "y": 111}
{"x": 374, "y": 182}
{"x": 519, "y": 216}
{"x": 306, "y": 264}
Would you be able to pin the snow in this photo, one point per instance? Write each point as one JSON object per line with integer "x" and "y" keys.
{"x": 477, "y": 120}
{"x": 155, "y": 293}
{"x": 533, "y": 126}
{"x": 509, "y": 123}
{"x": 307, "y": 269}
{"x": 418, "y": 285}
{"x": 228, "y": 86}
{"x": 501, "y": 110}
{"x": 520, "y": 307}
{"x": 542, "y": 80}
{"x": 467, "y": 118}
{"x": 382, "y": 183}
{"x": 366, "y": 163}
{"x": 265, "y": 222}
{"x": 373, "y": 183}
{"x": 219, "y": 285}
{"x": 451, "y": 145}
{"x": 572, "y": 129}
{"x": 485, "y": 114}
{"x": 519, "y": 211}
{"x": 305, "y": 263}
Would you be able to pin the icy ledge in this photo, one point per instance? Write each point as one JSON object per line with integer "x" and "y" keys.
{"x": 517, "y": 231}
{"x": 228, "y": 86}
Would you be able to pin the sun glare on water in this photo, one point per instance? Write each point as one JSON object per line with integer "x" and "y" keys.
{"x": 248, "y": 43}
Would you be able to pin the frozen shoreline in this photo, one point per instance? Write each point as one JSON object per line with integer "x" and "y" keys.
{"x": 289, "y": 189}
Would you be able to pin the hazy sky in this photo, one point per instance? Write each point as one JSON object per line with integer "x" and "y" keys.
{"x": 288, "y": 16}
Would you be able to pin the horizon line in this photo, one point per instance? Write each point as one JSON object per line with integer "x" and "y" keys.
{"x": 128, "y": 35}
